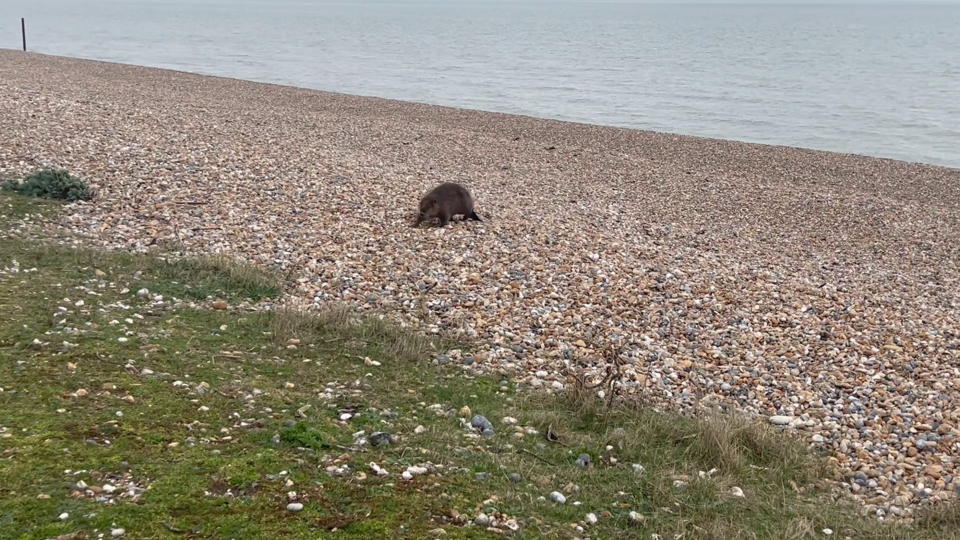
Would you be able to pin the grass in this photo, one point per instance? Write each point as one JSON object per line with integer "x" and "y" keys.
{"x": 212, "y": 416}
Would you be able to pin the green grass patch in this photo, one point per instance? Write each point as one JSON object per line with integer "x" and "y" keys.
{"x": 119, "y": 411}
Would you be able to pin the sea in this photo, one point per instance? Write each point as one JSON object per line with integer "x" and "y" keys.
{"x": 880, "y": 79}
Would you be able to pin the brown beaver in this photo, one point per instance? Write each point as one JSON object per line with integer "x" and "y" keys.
{"x": 444, "y": 202}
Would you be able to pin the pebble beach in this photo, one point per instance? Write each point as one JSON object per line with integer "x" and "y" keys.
{"x": 820, "y": 291}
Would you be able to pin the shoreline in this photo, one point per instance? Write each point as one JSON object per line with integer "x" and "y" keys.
{"x": 480, "y": 111}
{"x": 785, "y": 282}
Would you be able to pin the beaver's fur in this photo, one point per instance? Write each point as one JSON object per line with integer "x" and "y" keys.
{"x": 444, "y": 202}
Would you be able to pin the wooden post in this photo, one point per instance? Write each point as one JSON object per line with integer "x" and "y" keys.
{"x": 23, "y": 32}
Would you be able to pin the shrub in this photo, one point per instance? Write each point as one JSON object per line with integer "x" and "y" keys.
{"x": 51, "y": 184}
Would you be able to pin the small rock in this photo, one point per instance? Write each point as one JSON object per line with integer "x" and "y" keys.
{"x": 465, "y": 411}
{"x": 515, "y": 477}
{"x": 143, "y": 293}
{"x": 583, "y": 461}
{"x": 591, "y": 519}
{"x": 380, "y": 439}
{"x": 482, "y": 520}
{"x": 636, "y": 517}
{"x": 419, "y": 429}
{"x": 219, "y": 304}
{"x": 828, "y": 532}
{"x": 736, "y": 491}
{"x": 116, "y": 533}
{"x": 780, "y": 420}
{"x": 480, "y": 422}
{"x": 557, "y": 497}
{"x": 295, "y": 507}
{"x": 64, "y": 516}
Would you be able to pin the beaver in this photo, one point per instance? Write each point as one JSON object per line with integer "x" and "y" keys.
{"x": 444, "y": 202}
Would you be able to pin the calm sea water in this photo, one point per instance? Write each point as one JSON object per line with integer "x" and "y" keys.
{"x": 881, "y": 80}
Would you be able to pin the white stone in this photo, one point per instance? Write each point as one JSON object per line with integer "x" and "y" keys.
{"x": 295, "y": 507}
{"x": 557, "y": 497}
{"x": 780, "y": 420}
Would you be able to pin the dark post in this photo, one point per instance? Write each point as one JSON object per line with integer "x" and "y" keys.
{"x": 23, "y": 32}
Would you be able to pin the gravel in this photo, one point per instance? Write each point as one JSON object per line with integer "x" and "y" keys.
{"x": 784, "y": 282}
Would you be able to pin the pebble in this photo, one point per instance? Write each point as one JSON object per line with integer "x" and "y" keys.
{"x": 591, "y": 519}
{"x": 295, "y": 507}
{"x": 116, "y": 533}
{"x": 380, "y": 439}
{"x": 557, "y": 497}
{"x": 143, "y": 293}
{"x": 583, "y": 461}
{"x": 481, "y": 423}
{"x": 636, "y": 517}
{"x": 64, "y": 516}
{"x": 780, "y": 420}
{"x": 482, "y": 520}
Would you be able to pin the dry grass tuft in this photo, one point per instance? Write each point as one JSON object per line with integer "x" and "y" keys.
{"x": 340, "y": 323}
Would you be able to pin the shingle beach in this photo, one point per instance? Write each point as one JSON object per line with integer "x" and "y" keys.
{"x": 820, "y": 291}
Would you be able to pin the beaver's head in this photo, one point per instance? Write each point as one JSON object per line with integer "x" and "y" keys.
{"x": 429, "y": 209}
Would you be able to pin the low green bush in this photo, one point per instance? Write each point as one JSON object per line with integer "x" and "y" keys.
{"x": 51, "y": 184}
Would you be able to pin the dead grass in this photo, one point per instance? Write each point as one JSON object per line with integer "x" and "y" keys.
{"x": 316, "y": 326}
